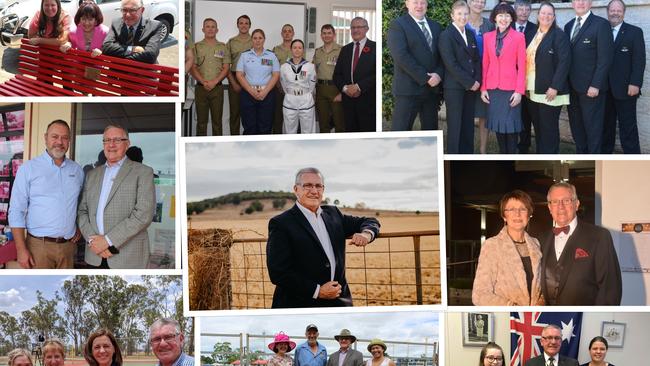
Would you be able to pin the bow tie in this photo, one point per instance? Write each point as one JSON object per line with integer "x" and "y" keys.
{"x": 563, "y": 229}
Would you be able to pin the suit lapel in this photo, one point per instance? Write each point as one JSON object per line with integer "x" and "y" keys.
{"x": 584, "y": 27}
{"x": 302, "y": 220}
{"x": 566, "y": 259}
{"x": 125, "y": 169}
{"x": 334, "y": 239}
{"x": 619, "y": 36}
{"x": 415, "y": 27}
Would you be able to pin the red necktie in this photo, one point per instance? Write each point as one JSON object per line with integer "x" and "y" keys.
{"x": 356, "y": 57}
{"x": 558, "y": 230}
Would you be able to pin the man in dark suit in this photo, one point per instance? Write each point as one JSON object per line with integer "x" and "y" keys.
{"x": 354, "y": 76}
{"x": 551, "y": 343}
{"x": 625, "y": 81}
{"x": 579, "y": 262}
{"x": 305, "y": 252}
{"x": 133, "y": 37}
{"x": 418, "y": 69}
{"x": 529, "y": 29}
{"x": 591, "y": 58}
{"x": 345, "y": 356}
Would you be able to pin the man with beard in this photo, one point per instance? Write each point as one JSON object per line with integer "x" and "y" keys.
{"x": 43, "y": 206}
{"x": 310, "y": 353}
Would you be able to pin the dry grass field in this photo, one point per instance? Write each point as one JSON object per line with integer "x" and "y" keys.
{"x": 383, "y": 273}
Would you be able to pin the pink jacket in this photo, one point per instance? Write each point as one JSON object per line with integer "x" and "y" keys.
{"x": 508, "y": 71}
{"x": 76, "y": 37}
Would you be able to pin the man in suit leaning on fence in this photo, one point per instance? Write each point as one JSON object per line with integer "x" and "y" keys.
{"x": 305, "y": 252}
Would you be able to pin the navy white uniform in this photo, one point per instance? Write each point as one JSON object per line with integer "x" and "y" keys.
{"x": 298, "y": 83}
{"x": 257, "y": 116}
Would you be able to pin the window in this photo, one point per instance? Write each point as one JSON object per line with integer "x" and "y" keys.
{"x": 341, "y": 18}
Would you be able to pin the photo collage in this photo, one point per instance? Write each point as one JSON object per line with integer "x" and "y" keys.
{"x": 324, "y": 182}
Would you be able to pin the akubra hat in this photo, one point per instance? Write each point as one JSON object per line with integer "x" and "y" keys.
{"x": 345, "y": 333}
{"x": 377, "y": 342}
{"x": 282, "y": 338}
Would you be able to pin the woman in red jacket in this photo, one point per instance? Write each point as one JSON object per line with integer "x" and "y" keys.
{"x": 504, "y": 77}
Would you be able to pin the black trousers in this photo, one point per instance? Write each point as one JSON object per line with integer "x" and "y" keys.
{"x": 359, "y": 113}
{"x": 623, "y": 110}
{"x": 507, "y": 142}
{"x": 460, "y": 120}
{"x": 586, "y": 118}
{"x": 526, "y": 120}
{"x": 546, "y": 121}
{"x": 407, "y": 107}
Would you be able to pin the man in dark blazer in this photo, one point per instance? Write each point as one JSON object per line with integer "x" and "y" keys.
{"x": 305, "y": 252}
{"x": 551, "y": 343}
{"x": 133, "y": 37}
{"x": 591, "y": 58}
{"x": 350, "y": 356}
{"x": 417, "y": 67}
{"x": 529, "y": 29}
{"x": 354, "y": 76}
{"x": 579, "y": 262}
{"x": 625, "y": 82}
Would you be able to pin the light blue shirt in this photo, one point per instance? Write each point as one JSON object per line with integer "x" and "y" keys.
{"x": 304, "y": 356}
{"x": 110, "y": 172}
{"x": 44, "y": 197}
{"x": 258, "y": 69}
{"x": 183, "y": 360}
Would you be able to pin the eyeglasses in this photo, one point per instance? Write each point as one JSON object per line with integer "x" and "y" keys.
{"x": 130, "y": 10}
{"x": 310, "y": 186}
{"x": 359, "y": 27}
{"x": 115, "y": 140}
{"x": 168, "y": 338}
{"x": 494, "y": 359}
{"x": 565, "y": 202}
{"x": 512, "y": 210}
{"x": 552, "y": 338}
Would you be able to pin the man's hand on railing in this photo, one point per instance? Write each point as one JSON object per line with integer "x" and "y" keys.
{"x": 360, "y": 239}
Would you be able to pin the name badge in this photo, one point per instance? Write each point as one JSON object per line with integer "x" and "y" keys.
{"x": 586, "y": 41}
{"x": 624, "y": 49}
{"x": 332, "y": 61}
{"x": 551, "y": 51}
{"x": 267, "y": 62}
{"x": 219, "y": 54}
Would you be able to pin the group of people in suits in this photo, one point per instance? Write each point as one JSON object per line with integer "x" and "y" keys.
{"x": 279, "y": 91}
{"x": 53, "y": 205}
{"x": 305, "y": 252}
{"x": 314, "y": 353}
{"x": 511, "y": 73}
{"x": 492, "y": 354}
{"x": 576, "y": 263}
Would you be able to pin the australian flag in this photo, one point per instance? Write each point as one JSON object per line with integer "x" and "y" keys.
{"x": 526, "y": 334}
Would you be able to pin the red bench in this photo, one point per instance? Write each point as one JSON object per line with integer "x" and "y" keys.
{"x": 46, "y": 71}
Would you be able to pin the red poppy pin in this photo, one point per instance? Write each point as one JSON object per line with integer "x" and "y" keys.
{"x": 581, "y": 253}
{"x": 366, "y": 49}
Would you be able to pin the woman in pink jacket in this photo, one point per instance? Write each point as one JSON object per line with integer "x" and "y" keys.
{"x": 89, "y": 32}
{"x": 504, "y": 77}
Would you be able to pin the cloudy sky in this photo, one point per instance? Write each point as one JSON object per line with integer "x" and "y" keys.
{"x": 399, "y": 326}
{"x": 384, "y": 173}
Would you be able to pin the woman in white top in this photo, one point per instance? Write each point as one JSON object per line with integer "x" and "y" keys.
{"x": 377, "y": 348}
{"x": 298, "y": 79}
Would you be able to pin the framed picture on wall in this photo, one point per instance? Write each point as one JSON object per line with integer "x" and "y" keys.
{"x": 614, "y": 333}
{"x": 478, "y": 329}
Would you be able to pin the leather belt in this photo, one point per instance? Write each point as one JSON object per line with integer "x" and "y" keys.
{"x": 325, "y": 82}
{"x": 50, "y": 239}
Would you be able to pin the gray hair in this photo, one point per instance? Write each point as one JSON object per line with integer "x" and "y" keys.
{"x": 126, "y": 132}
{"x": 551, "y": 326}
{"x": 566, "y": 185}
{"x": 140, "y": 3}
{"x": 307, "y": 171}
{"x": 620, "y": 1}
{"x": 162, "y": 322}
{"x": 359, "y": 18}
{"x": 522, "y": 3}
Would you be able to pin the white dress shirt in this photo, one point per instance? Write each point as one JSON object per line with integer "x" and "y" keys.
{"x": 582, "y": 22}
{"x": 317, "y": 223}
{"x": 562, "y": 238}
{"x": 462, "y": 32}
{"x": 110, "y": 173}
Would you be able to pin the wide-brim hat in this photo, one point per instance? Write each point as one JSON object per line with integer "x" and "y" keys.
{"x": 282, "y": 338}
{"x": 345, "y": 333}
{"x": 377, "y": 342}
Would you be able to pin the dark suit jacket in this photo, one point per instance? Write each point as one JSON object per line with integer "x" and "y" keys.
{"x": 148, "y": 35}
{"x": 364, "y": 74}
{"x": 462, "y": 63}
{"x": 629, "y": 61}
{"x": 552, "y": 62}
{"x": 589, "y": 272}
{"x": 297, "y": 262}
{"x": 529, "y": 31}
{"x": 413, "y": 58}
{"x": 561, "y": 361}
{"x": 352, "y": 358}
{"x": 591, "y": 54}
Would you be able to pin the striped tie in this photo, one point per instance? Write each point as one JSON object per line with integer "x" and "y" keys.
{"x": 576, "y": 29}
{"x": 427, "y": 35}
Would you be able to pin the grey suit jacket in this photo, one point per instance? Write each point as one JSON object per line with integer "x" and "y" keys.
{"x": 563, "y": 361}
{"x": 352, "y": 358}
{"x": 500, "y": 278}
{"x": 127, "y": 215}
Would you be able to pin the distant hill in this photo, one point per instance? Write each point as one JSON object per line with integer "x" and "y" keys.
{"x": 237, "y": 198}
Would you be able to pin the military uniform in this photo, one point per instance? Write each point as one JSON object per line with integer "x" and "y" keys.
{"x": 326, "y": 90}
{"x": 283, "y": 55}
{"x": 298, "y": 83}
{"x": 236, "y": 46}
{"x": 210, "y": 58}
{"x": 256, "y": 115}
